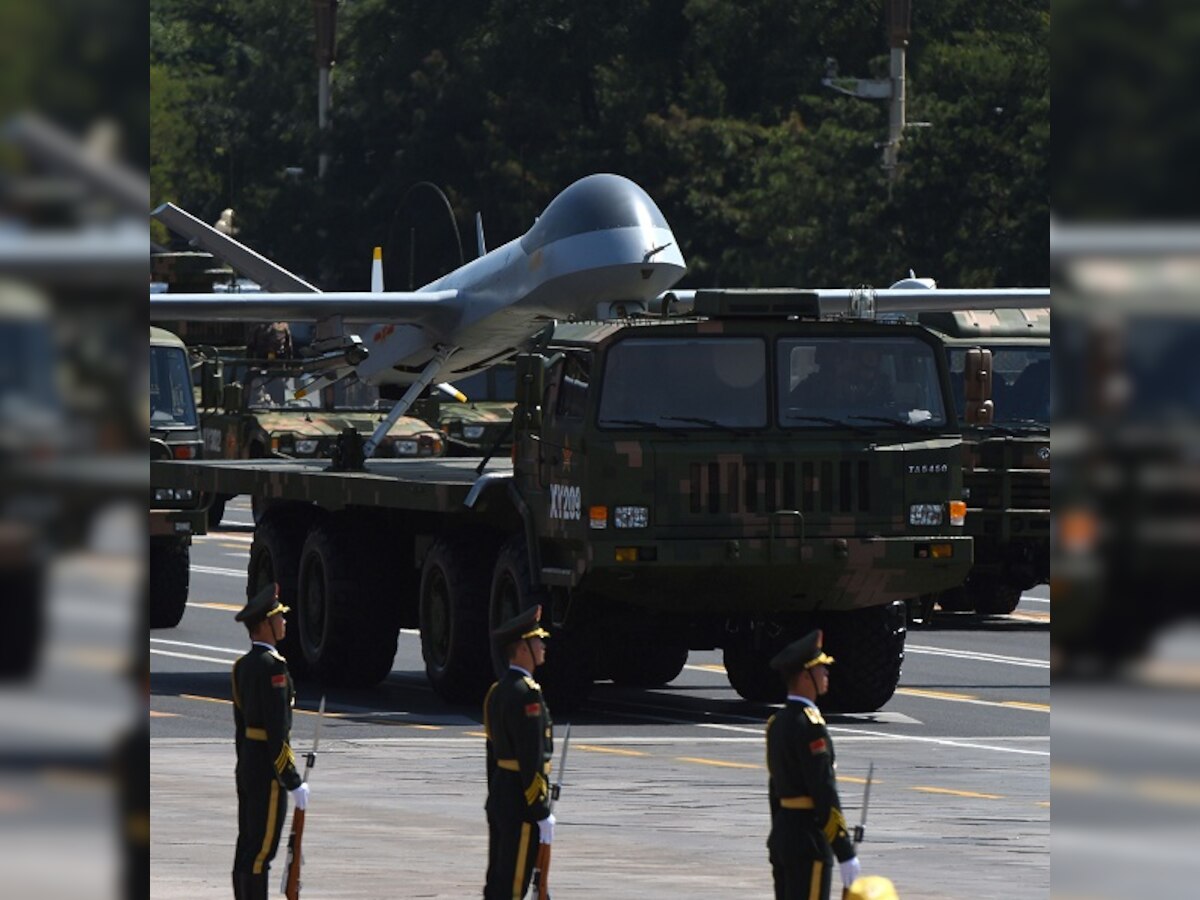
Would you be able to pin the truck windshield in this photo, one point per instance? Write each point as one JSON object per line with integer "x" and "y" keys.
{"x": 825, "y": 382}
{"x": 271, "y": 391}
{"x": 717, "y": 382}
{"x": 1020, "y": 383}
{"x": 171, "y": 402}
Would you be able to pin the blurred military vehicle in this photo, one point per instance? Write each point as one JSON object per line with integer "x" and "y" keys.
{"x": 249, "y": 409}
{"x": 483, "y": 423}
{"x": 1006, "y": 478}
{"x": 676, "y": 483}
{"x": 175, "y": 513}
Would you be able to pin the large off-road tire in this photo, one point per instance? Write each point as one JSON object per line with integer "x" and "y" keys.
{"x": 646, "y": 663}
{"x": 748, "y": 670}
{"x": 995, "y": 600}
{"x": 347, "y": 623}
{"x": 21, "y": 596}
{"x": 454, "y": 617}
{"x": 275, "y": 557}
{"x": 169, "y": 573}
{"x": 868, "y": 650}
{"x": 568, "y": 673}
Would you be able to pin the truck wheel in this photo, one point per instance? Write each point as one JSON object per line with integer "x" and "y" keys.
{"x": 868, "y": 646}
{"x": 216, "y": 510}
{"x": 275, "y": 557}
{"x": 996, "y": 600}
{"x": 169, "y": 572}
{"x": 648, "y": 664}
{"x": 746, "y": 666}
{"x": 347, "y": 629}
{"x": 21, "y": 638}
{"x": 567, "y": 674}
{"x": 453, "y": 620}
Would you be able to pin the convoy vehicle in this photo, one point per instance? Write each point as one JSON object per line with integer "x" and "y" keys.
{"x": 176, "y": 513}
{"x": 481, "y": 424}
{"x": 675, "y": 483}
{"x": 1006, "y": 479}
{"x": 249, "y": 409}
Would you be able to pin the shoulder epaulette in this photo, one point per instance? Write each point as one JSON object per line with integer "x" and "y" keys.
{"x": 278, "y": 656}
{"x": 814, "y": 715}
{"x": 531, "y": 683}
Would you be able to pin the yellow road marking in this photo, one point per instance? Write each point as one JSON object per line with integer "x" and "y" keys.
{"x": 614, "y": 750}
{"x": 854, "y": 779}
{"x": 940, "y": 695}
{"x": 717, "y": 762}
{"x": 1031, "y": 616}
{"x": 481, "y": 734}
{"x": 224, "y": 607}
{"x": 709, "y": 667}
{"x": 1045, "y": 803}
{"x": 971, "y": 794}
{"x": 155, "y": 714}
{"x": 1020, "y": 704}
{"x": 205, "y": 699}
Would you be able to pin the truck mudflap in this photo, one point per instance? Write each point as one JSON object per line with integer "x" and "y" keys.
{"x": 760, "y": 576}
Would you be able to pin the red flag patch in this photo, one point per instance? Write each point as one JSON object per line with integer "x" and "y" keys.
{"x": 278, "y": 681}
{"x": 818, "y": 746}
{"x": 533, "y": 709}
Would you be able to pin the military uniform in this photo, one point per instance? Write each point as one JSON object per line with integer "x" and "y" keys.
{"x": 520, "y": 745}
{"x": 262, "y": 714}
{"x": 807, "y": 825}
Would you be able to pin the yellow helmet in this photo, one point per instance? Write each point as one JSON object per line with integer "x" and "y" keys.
{"x": 872, "y": 887}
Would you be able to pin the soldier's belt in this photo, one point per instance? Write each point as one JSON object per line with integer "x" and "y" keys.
{"x": 256, "y": 734}
{"x": 509, "y": 764}
{"x": 796, "y": 802}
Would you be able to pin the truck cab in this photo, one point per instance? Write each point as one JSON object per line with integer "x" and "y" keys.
{"x": 1007, "y": 470}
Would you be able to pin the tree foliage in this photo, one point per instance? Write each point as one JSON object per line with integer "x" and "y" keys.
{"x": 714, "y": 106}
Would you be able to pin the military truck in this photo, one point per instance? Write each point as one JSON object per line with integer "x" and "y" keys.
{"x": 1006, "y": 480}
{"x": 671, "y": 487}
{"x": 483, "y": 423}
{"x": 257, "y": 414}
{"x": 175, "y": 511}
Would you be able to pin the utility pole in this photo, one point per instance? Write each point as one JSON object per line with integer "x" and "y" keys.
{"x": 325, "y": 13}
{"x": 899, "y": 19}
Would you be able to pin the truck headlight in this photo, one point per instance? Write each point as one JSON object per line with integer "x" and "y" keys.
{"x": 307, "y": 446}
{"x": 631, "y": 517}
{"x": 169, "y": 494}
{"x": 925, "y": 514}
{"x": 473, "y": 432}
{"x": 404, "y": 448}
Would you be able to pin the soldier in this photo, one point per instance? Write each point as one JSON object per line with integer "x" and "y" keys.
{"x": 807, "y": 825}
{"x": 519, "y": 747}
{"x": 262, "y": 716}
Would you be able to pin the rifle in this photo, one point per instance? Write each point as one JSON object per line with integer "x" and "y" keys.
{"x": 860, "y": 828}
{"x": 541, "y": 867}
{"x": 290, "y": 886}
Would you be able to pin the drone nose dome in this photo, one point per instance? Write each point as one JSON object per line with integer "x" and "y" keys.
{"x": 594, "y": 203}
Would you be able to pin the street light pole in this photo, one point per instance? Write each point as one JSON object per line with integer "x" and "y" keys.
{"x": 325, "y": 14}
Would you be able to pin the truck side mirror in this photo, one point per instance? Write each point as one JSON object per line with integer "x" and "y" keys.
{"x": 232, "y": 396}
{"x": 531, "y": 386}
{"x": 212, "y": 382}
{"x": 977, "y": 386}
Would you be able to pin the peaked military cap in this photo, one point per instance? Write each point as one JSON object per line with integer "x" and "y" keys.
{"x": 262, "y": 605}
{"x": 802, "y": 654}
{"x": 525, "y": 625}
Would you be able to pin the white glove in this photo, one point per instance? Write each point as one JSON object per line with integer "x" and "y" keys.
{"x": 300, "y": 795}
{"x": 851, "y": 869}
{"x": 546, "y": 830}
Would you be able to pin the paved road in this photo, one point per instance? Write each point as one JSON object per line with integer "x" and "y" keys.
{"x": 665, "y": 793}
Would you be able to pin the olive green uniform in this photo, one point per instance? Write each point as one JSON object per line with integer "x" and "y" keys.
{"x": 520, "y": 745}
{"x": 262, "y": 713}
{"x": 807, "y": 825}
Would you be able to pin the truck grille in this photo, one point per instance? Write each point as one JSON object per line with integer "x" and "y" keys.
{"x": 1027, "y": 490}
{"x": 828, "y": 486}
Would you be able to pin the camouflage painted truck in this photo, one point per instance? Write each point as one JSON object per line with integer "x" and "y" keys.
{"x": 176, "y": 512}
{"x": 483, "y": 423}
{"x": 1006, "y": 479}
{"x": 249, "y": 410}
{"x": 670, "y": 488}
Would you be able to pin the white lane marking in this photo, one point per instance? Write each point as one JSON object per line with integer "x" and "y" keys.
{"x": 215, "y": 570}
{"x": 977, "y": 656}
{"x": 236, "y": 651}
{"x": 1028, "y": 599}
{"x": 941, "y": 742}
{"x": 211, "y": 659}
